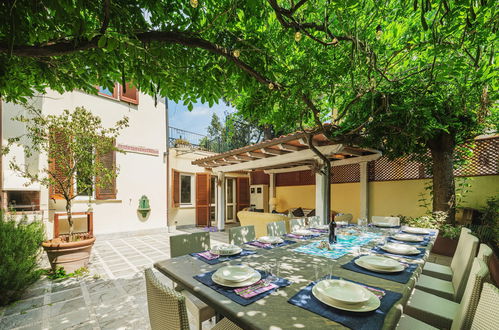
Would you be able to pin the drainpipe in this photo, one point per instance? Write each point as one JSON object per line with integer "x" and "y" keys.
{"x": 326, "y": 170}
{"x": 167, "y": 155}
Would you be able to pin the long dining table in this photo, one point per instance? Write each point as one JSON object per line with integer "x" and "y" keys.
{"x": 274, "y": 311}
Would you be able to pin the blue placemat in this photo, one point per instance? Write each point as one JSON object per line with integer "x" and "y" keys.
{"x": 401, "y": 277}
{"x": 377, "y": 249}
{"x": 224, "y": 258}
{"x": 425, "y": 241}
{"x": 284, "y": 243}
{"x": 229, "y": 292}
{"x": 359, "y": 321}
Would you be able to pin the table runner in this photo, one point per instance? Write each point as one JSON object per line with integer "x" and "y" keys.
{"x": 401, "y": 277}
{"x": 229, "y": 292}
{"x": 224, "y": 258}
{"x": 361, "y": 321}
{"x": 340, "y": 249}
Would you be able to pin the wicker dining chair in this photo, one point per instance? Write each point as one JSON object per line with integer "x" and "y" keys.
{"x": 295, "y": 224}
{"x": 484, "y": 253}
{"x": 277, "y": 228}
{"x": 185, "y": 244}
{"x": 487, "y": 311}
{"x": 241, "y": 235}
{"x": 314, "y": 221}
{"x": 167, "y": 308}
{"x": 394, "y": 221}
{"x": 445, "y": 272}
{"x": 446, "y": 314}
{"x": 461, "y": 265}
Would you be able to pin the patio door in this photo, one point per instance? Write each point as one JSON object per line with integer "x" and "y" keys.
{"x": 243, "y": 194}
{"x": 230, "y": 198}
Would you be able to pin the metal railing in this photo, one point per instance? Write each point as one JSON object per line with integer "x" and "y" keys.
{"x": 179, "y": 137}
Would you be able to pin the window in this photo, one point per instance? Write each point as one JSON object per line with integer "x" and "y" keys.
{"x": 129, "y": 94}
{"x": 186, "y": 187}
{"x": 104, "y": 91}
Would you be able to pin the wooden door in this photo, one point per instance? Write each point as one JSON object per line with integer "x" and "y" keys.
{"x": 202, "y": 199}
{"x": 242, "y": 193}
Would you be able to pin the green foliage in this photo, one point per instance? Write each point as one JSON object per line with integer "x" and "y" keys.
{"x": 488, "y": 230}
{"x": 60, "y": 273}
{"x": 19, "y": 253}
{"x": 435, "y": 220}
{"x": 450, "y": 231}
{"x": 73, "y": 140}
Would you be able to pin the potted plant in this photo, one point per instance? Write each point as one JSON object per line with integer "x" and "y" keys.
{"x": 76, "y": 143}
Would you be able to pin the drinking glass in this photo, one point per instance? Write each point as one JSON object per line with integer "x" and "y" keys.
{"x": 317, "y": 273}
{"x": 330, "y": 267}
{"x": 362, "y": 223}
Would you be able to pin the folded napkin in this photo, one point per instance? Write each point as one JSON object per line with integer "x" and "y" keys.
{"x": 319, "y": 230}
{"x": 213, "y": 259}
{"x": 401, "y": 277}
{"x": 232, "y": 295}
{"x": 422, "y": 251}
{"x": 302, "y": 236}
{"x": 269, "y": 246}
{"x": 255, "y": 289}
{"x": 361, "y": 321}
{"x": 424, "y": 242}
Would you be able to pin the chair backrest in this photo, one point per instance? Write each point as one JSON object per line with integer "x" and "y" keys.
{"x": 167, "y": 309}
{"x": 478, "y": 275}
{"x": 277, "y": 228}
{"x": 314, "y": 221}
{"x": 189, "y": 243}
{"x": 484, "y": 253}
{"x": 295, "y": 224}
{"x": 241, "y": 235}
{"x": 460, "y": 244}
{"x": 487, "y": 315}
{"x": 462, "y": 264}
{"x": 395, "y": 221}
{"x": 347, "y": 217}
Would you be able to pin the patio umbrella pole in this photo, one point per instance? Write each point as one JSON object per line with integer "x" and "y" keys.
{"x": 326, "y": 170}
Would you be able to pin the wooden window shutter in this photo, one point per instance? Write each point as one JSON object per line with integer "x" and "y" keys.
{"x": 242, "y": 193}
{"x": 203, "y": 183}
{"x": 175, "y": 188}
{"x": 107, "y": 191}
{"x": 56, "y": 166}
{"x": 129, "y": 94}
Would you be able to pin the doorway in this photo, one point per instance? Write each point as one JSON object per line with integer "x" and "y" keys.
{"x": 230, "y": 197}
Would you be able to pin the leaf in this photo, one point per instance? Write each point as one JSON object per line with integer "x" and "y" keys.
{"x": 102, "y": 42}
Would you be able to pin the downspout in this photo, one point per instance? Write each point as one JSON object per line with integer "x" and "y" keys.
{"x": 326, "y": 170}
{"x": 167, "y": 155}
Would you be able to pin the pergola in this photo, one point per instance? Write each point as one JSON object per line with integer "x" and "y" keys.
{"x": 289, "y": 153}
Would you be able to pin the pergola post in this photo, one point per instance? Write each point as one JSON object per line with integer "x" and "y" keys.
{"x": 320, "y": 207}
{"x": 272, "y": 192}
{"x": 221, "y": 201}
{"x": 364, "y": 191}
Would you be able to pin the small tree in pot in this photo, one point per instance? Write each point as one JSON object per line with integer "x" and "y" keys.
{"x": 76, "y": 144}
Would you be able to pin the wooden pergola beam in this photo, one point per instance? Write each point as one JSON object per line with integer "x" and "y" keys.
{"x": 270, "y": 151}
{"x": 256, "y": 154}
{"x": 289, "y": 147}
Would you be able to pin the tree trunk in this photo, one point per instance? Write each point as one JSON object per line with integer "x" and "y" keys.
{"x": 444, "y": 190}
{"x": 268, "y": 133}
{"x": 70, "y": 220}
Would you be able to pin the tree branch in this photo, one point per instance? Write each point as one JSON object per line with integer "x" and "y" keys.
{"x": 105, "y": 21}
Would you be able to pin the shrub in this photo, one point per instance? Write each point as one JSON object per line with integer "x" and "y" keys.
{"x": 19, "y": 252}
{"x": 488, "y": 230}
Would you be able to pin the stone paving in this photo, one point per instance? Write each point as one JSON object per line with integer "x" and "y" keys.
{"x": 113, "y": 296}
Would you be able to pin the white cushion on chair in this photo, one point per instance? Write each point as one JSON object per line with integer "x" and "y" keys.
{"x": 436, "y": 286}
{"x": 394, "y": 221}
{"x": 409, "y": 323}
{"x": 431, "y": 309}
{"x": 438, "y": 271}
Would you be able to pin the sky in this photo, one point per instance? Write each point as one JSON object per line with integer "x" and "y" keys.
{"x": 198, "y": 119}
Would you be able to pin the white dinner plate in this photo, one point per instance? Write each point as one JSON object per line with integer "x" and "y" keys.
{"x": 403, "y": 249}
{"x": 408, "y": 238}
{"x": 385, "y": 225}
{"x": 255, "y": 277}
{"x": 343, "y": 291}
{"x": 371, "y": 304}
{"x": 270, "y": 239}
{"x": 302, "y": 232}
{"x": 321, "y": 227}
{"x": 341, "y": 223}
{"x": 399, "y": 268}
{"x": 226, "y": 249}
{"x": 236, "y": 273}
{"x": 379, "y": 262}
{"x": 413, "y": 230}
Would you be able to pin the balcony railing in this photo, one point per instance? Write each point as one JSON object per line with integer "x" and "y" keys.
{"x": 179, "y": 137}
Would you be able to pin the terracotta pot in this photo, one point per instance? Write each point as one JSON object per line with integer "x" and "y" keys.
{"x": 69, "y": 255}
{"x": 445, "y": 246}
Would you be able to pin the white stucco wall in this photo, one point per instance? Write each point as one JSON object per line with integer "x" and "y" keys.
{"x": 139, "y": 174}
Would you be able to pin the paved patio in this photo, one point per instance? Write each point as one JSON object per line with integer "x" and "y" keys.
{"x": 112, "y": 297}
